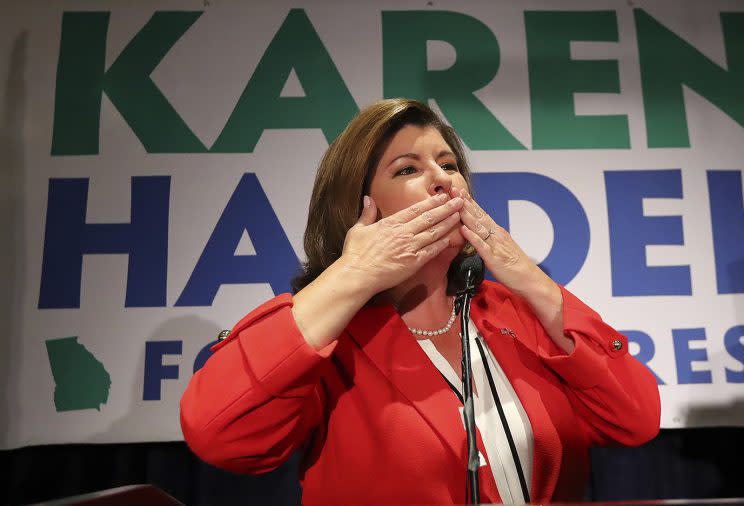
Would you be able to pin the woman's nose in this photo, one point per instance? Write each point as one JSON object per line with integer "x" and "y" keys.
{"x": 441, "y": 182}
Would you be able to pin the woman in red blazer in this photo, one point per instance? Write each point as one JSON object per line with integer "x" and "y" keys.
{"x": 335, "y": 369}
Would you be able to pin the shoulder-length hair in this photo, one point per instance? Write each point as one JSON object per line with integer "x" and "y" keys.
{"x": 345, "y": 174}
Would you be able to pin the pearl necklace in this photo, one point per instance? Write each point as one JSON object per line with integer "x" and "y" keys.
{"x": 443, "y": 330}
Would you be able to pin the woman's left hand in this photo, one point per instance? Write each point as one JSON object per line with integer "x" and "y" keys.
{"x": 502, "y": 255}
{"x": 513, "y": 268}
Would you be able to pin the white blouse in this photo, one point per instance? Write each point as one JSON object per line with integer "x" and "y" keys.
{"x": 488, "y": 419}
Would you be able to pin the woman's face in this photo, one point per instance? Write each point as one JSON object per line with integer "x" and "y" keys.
{"x": 416, "y": 164}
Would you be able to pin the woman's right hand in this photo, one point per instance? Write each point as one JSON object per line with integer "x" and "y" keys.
{"x": 388, "y": 251}
{"x": 377, "y": 255}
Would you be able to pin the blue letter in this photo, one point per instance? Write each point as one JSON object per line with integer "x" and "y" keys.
{"x": 646, "y": 349}
{"x": 68, "y": 238}
{"x": 631, "y": 231}
{"x": 203, "y": 355}
{"x": 727, "y": 219}
{"x": 570, "y": 225}
{"x": 684, "y": 356}
{"x": 733, "y": 344}
{"x": 155, "y": 371}
{"x": 274, "y": 262}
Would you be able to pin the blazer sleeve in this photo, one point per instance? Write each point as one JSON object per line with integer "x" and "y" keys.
{"x": 615, "y": 397}
{"x": 257, "y": 398}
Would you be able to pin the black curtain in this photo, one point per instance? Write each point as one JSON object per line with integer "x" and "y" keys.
{"x": 681, "y": 463}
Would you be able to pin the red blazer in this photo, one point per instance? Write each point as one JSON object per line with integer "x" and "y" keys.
{"x": 376, "y": 421}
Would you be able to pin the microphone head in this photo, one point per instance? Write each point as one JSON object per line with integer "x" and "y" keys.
{"x": 474, "y": 265}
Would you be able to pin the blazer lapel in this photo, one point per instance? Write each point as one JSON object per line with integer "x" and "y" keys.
{"x": 494, "y": 324}
{"x": 384, "y": 338}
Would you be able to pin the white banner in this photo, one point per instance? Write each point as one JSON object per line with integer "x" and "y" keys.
{"x": 157, "y": 161}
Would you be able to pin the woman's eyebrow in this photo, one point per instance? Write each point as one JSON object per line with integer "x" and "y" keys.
{"x": 404, "y": 155}
{"x": 416, "y": 157}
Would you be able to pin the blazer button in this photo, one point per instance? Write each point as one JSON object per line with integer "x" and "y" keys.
{"x": 617, "y": 344}
{"x": 223, "y": 335}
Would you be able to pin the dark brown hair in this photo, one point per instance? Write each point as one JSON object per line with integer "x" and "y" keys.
{"x": 345, "y": 173}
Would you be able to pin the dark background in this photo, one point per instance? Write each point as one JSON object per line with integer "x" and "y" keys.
{"x": 679, "y": 463}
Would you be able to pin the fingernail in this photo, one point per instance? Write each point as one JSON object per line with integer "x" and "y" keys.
{"x": 455, "y": 201}
{"x": 366, "y": 201}
{"x": 441, "y": 197}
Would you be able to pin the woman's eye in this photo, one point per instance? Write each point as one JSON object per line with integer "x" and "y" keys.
{"x": 405, "y": 171}
{"x": 450, "y": 167}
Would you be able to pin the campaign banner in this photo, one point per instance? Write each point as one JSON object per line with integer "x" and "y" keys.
{"x": 157, "y": 160}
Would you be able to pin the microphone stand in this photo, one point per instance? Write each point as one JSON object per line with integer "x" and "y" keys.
{"x": 462, "y": 303}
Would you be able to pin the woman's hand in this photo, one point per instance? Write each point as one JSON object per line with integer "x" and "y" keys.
{"x": 502, "y": 255}
{"x": 513, "y": 268}
{"x": 377, "y": 255}
{"x": 388, "y": 251}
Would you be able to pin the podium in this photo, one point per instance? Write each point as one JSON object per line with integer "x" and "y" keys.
{"x": 120, "y": 496}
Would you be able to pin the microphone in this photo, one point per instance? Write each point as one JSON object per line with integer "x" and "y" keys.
{"x": 470, "y": 274}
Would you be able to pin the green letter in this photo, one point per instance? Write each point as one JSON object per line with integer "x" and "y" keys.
{"x": 668, "y": 62}
{"x": 555, "y": 77}
{"x": 405, "y": 73}
{"x": 81, "y": 80}
{"x": 327, "y": 103}
{"x": 77, "y": 103}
